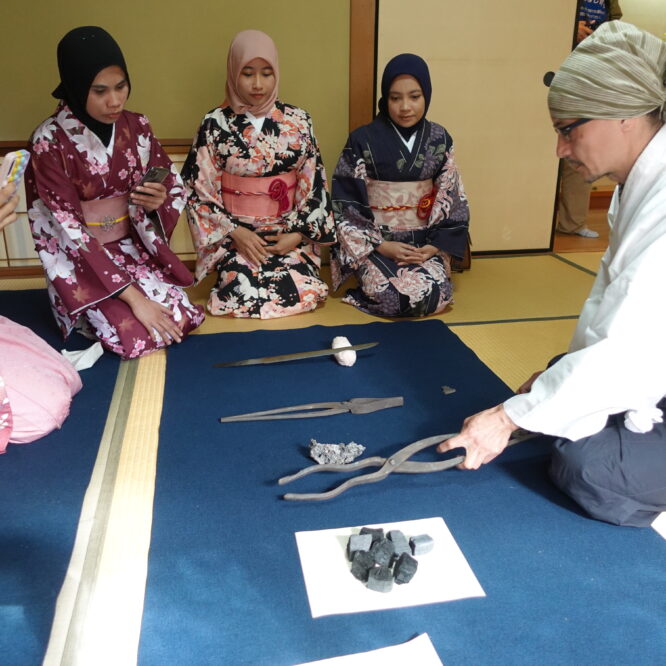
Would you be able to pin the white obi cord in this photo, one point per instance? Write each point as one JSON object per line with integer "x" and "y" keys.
{"x": 346, "y": 358}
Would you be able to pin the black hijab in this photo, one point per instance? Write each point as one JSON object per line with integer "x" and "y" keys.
{"x": 82, "y": 54}
{"x": 413, "y": 65}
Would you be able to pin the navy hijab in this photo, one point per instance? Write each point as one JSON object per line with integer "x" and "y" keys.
{"x": 82, "y": 54}
{"x": 413, "y": 65}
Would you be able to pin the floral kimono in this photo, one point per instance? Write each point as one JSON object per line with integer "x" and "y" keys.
{"x": 376, "y": 155}
{"x": 227, "y": 142}
{"x": 71, "y": 165}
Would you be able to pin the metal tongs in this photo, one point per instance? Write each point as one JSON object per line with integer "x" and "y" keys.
{"x": 398, "y": 462}
{"x": 355, "y": 406}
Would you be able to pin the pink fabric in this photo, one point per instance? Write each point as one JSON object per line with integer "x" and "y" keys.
{"x": 39, "y": 383}
{"x": 248, "y": 45}
{"x": 397, "y": 204}
{"x": 258, "y": 196}
{"x": 99, "y": 210}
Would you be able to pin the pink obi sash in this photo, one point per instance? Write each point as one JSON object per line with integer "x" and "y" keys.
{"x": 107, "y": 219}
{"x": 255, "y": 196}
{"x": 401, "y": 206}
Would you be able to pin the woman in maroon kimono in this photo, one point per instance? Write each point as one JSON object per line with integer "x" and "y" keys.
{"x": 102, "y": 237}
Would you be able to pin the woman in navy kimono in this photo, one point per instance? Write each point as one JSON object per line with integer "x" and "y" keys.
{"x": 400, "y": 208}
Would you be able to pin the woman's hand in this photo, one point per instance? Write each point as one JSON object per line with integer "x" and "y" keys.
{"x": 156, "y": 319}
{"x": 424, "y": 253}
{"x": 404, "y": 253}
{"x": 284, "y": 243}
{"x": 149, "y": 195}
{"x": 250, "y": 245}
{"x": 8, "y": 202}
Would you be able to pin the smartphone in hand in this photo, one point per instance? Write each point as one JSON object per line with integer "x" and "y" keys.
{"x": 154, "y": 175}
{"x": 13, "y": 167}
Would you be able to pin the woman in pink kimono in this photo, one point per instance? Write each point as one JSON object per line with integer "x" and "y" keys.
{"x": 258, "y": 204}
{"x": 36, "y": 383}
{"x": 102, "y": 237}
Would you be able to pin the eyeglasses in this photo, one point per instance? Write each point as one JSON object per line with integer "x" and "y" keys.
{"x": 565, "y": 132}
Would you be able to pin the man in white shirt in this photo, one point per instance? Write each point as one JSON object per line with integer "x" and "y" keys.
{"x": 604, "y": 398}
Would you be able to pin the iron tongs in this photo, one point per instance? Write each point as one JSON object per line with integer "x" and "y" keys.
{"x": 355, "y": 406}
{"x": 398, "y": 462}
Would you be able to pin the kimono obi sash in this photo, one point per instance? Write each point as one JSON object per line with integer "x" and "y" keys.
{"x": 258, "y": 196}
{"x": 401, "y": 206}
{"x": 107, "y": 219}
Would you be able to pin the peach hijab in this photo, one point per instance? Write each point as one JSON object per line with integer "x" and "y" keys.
{"x": 246, "y": 46}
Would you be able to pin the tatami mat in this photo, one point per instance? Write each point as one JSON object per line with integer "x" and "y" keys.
{"x": 523, "y": 287}
{"x": 496, "y": 289}
{"x": 21, "y": 283}
{"x": 587, "y": 260}
{"x": 98, "y": 617}
{"x": 515, "y": 350}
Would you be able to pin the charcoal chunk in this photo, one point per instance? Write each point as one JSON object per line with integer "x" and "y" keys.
{"x": 383, "y": 551}
{"x": 399, "y": 542}
{"x": 362, "y": 563}
{"x": 421, "y": 544}
{"x": 380, "y": 579}
{"x": 377, "y": 533}
{"x": 358, "y": 542}
{"x": 404, "y": 569}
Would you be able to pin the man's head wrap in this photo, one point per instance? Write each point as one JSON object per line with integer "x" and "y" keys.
{"x": 617, "y": 72}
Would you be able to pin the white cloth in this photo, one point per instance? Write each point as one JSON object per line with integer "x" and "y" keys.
{"x": 408, "y": 142}
{"x": 257, "y": 122}
{"x": 617, "y": 357}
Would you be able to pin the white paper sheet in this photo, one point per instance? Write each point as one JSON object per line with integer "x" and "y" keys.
{"x": 659, "y": 524}
{"x": 443, "y": 573}
{"x": 417, "y": 652}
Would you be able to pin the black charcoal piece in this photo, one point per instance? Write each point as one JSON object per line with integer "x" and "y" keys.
{"x": 404, "y": 569}
{"x": 399, "y": 542}
{"x": 382, "y": 551}
{"x": 362, "y": 563}
{"x": 377, "y": 533}
{"x": 380, "y": 579}
{"x": 421, "y": 544}
{"x": 358, "y": 542}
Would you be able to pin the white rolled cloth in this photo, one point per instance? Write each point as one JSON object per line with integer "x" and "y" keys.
{"x": 346, "y": 358}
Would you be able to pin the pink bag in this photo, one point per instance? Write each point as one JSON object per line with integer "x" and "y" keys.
{"x": 39, "y": 384}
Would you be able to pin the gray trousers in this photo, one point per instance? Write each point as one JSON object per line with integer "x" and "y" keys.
{"x": 616, "y": 475}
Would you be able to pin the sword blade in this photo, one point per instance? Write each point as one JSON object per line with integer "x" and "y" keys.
{"x": 294, "y": 357}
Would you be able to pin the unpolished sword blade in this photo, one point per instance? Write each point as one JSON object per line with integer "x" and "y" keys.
{"x": 294, "y": 357}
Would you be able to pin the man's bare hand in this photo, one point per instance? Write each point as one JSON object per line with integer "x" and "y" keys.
{"x": 484, "y": 436}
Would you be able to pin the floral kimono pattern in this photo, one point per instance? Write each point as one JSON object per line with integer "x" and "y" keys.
{"x": 69, "y": 165}
{"x": 283, "y": 285}
{"x": 376, "y": 152}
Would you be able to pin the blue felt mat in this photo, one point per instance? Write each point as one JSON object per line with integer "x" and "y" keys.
{"x": 41, "y": 491}
{"x": 225, "y": 583}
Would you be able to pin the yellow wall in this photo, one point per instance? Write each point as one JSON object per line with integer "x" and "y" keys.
{"x": 176, "y": 55}
{"x": 647, "y": 14}
{"x": 487, "y": 60}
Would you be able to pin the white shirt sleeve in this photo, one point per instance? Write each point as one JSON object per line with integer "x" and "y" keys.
{"x": 618, "y": 358}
